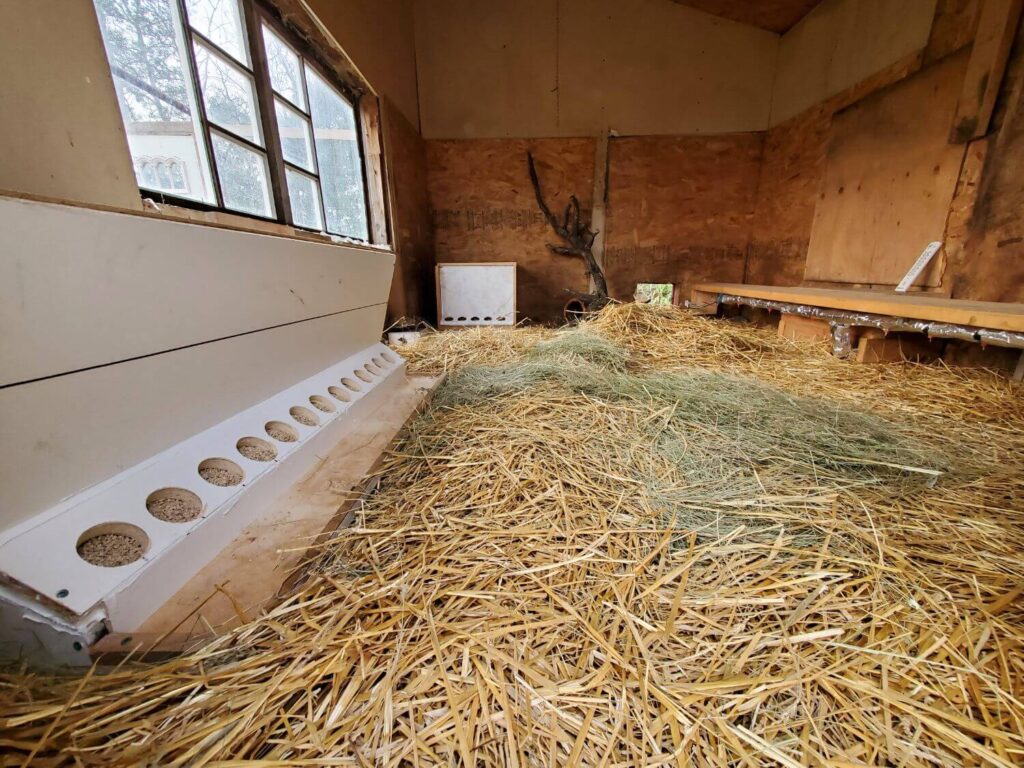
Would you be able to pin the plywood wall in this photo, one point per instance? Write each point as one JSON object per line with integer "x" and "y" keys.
{"x": 841, "y": 43}
{"x": 484, "y": 209}
{"x": 544, "y": 68}
{"x": 679, "y": 209}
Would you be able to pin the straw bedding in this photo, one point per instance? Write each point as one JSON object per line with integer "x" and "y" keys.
{"x": 653, "y": 540}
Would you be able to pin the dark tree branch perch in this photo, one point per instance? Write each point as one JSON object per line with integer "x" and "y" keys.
{"x": 576, "y": 233}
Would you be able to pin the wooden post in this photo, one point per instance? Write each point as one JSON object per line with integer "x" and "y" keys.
{"x": 997, "y": 28}
{"x": 369, "y": 120}
{"x": 597, "y": 215}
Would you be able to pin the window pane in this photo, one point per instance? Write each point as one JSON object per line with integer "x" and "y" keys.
{"x": 337, "y": 152}
{"x": 296, "y": 142}
{"x": 228, "y": 94}
{"x": 244, "y": 179}
{"x": 285, "y": 70}
{"x": 305, "y": 199}
{"x": 221, "y": 22}
{"x": 145, "y": 47}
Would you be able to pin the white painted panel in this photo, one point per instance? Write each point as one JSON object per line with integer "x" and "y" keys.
{"x": 82, "y": 287}
{"x": 64, "y": 434}
{"x": 477, "y": 294}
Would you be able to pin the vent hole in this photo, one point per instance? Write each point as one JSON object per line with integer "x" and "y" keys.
{"x": 256, "y": 449}
{"x": 304, "y": 416}
{"x": 112, "y": 544}
{"x": 281, "y": 432}
{"x": 222, "y": 472}
{"x": 321, "y": 403}
{"x": 174, "y": 505}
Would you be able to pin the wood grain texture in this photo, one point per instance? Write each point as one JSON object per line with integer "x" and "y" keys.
{"x": 889, "y": 180}
{"x": 680, "y": 209}
{"x": 484, "y": 209}
{"x": 412, "y": 288}
{"x": 773, "y": 15}
{"x": 979, "y": 314}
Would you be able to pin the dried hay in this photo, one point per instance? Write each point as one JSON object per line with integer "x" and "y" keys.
{"x": 676, "y": 565}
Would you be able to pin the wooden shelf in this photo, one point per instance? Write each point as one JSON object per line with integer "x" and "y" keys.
{"x": 979, "y": 314}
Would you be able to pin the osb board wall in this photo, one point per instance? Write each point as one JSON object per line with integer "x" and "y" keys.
{"x": 412, "y": 289}
{"x": 794, "y": 155}
{"x": 889, "y": 180}
{"x": 680, "y": 209}
{"x": 484, "y": 209}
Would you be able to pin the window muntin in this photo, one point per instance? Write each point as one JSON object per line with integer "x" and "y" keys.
{"x": 188, "y": 90}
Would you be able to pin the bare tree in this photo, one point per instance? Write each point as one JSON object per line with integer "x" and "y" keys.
{"x": 579, "y": 238}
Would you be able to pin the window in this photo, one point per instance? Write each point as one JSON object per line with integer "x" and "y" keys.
{"x": 223, "y": 117}
{"x": 653, "y": 293}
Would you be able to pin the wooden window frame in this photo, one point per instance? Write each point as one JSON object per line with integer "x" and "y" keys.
{"x": 254, "y": 15}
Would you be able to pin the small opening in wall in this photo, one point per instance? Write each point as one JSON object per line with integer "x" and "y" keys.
{"x": 222, "y": 472}
{"x": 304, "y": 416}
{"x": 351, "y": 385}
{"x": 281, "y": 432}
{"x": 653, "y": 293}
{"x": 363, "y": 376}
{"x": 112, "y": 544}
{"x": 321, "y": 403}
{"x": 174, "y": 505}
{"x": 256, "y": 449}
{"x": 340, "y": 394}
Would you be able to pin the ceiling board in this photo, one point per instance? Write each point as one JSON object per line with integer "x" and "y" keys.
{"x": 773, "y": 15}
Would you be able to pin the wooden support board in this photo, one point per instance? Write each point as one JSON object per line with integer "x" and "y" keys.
{"x": 978, "y": 314}
{"x": 797, "y": 328}
{"x": 889, "y": 179}
{"x": 997, "y": 28}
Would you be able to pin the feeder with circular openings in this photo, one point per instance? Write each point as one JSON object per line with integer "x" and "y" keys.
{"x": 174, "y": 505}
{"x": 111, "y": 545}
{"x": 256, "y": 449}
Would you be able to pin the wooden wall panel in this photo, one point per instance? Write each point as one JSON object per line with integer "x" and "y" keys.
{"x": 81, "y": 287}
{"x": 680, "y": 209}
{"x": 484, "y": 210}
{"x": 412, "y": 289}
{"x": 889, "y": 180}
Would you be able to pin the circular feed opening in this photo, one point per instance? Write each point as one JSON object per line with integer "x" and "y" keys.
{"x": 351, "y": 385}
{"x": 174, "y": 505}
{"x": 388, "y": 357}
{"x": 112, "y": 544}
{"x": 321, "y": 403}
{"x": 222, "y": 472}
{"x": 363, "y": 376}
{"x": 340, "y": 394}
{"x": 373, "y": 369}
{"x": 283, "y": 433}
{"x": 379, "y": 363}
{"x": 304, "y": 416}
{"x": 256, "y": 449}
